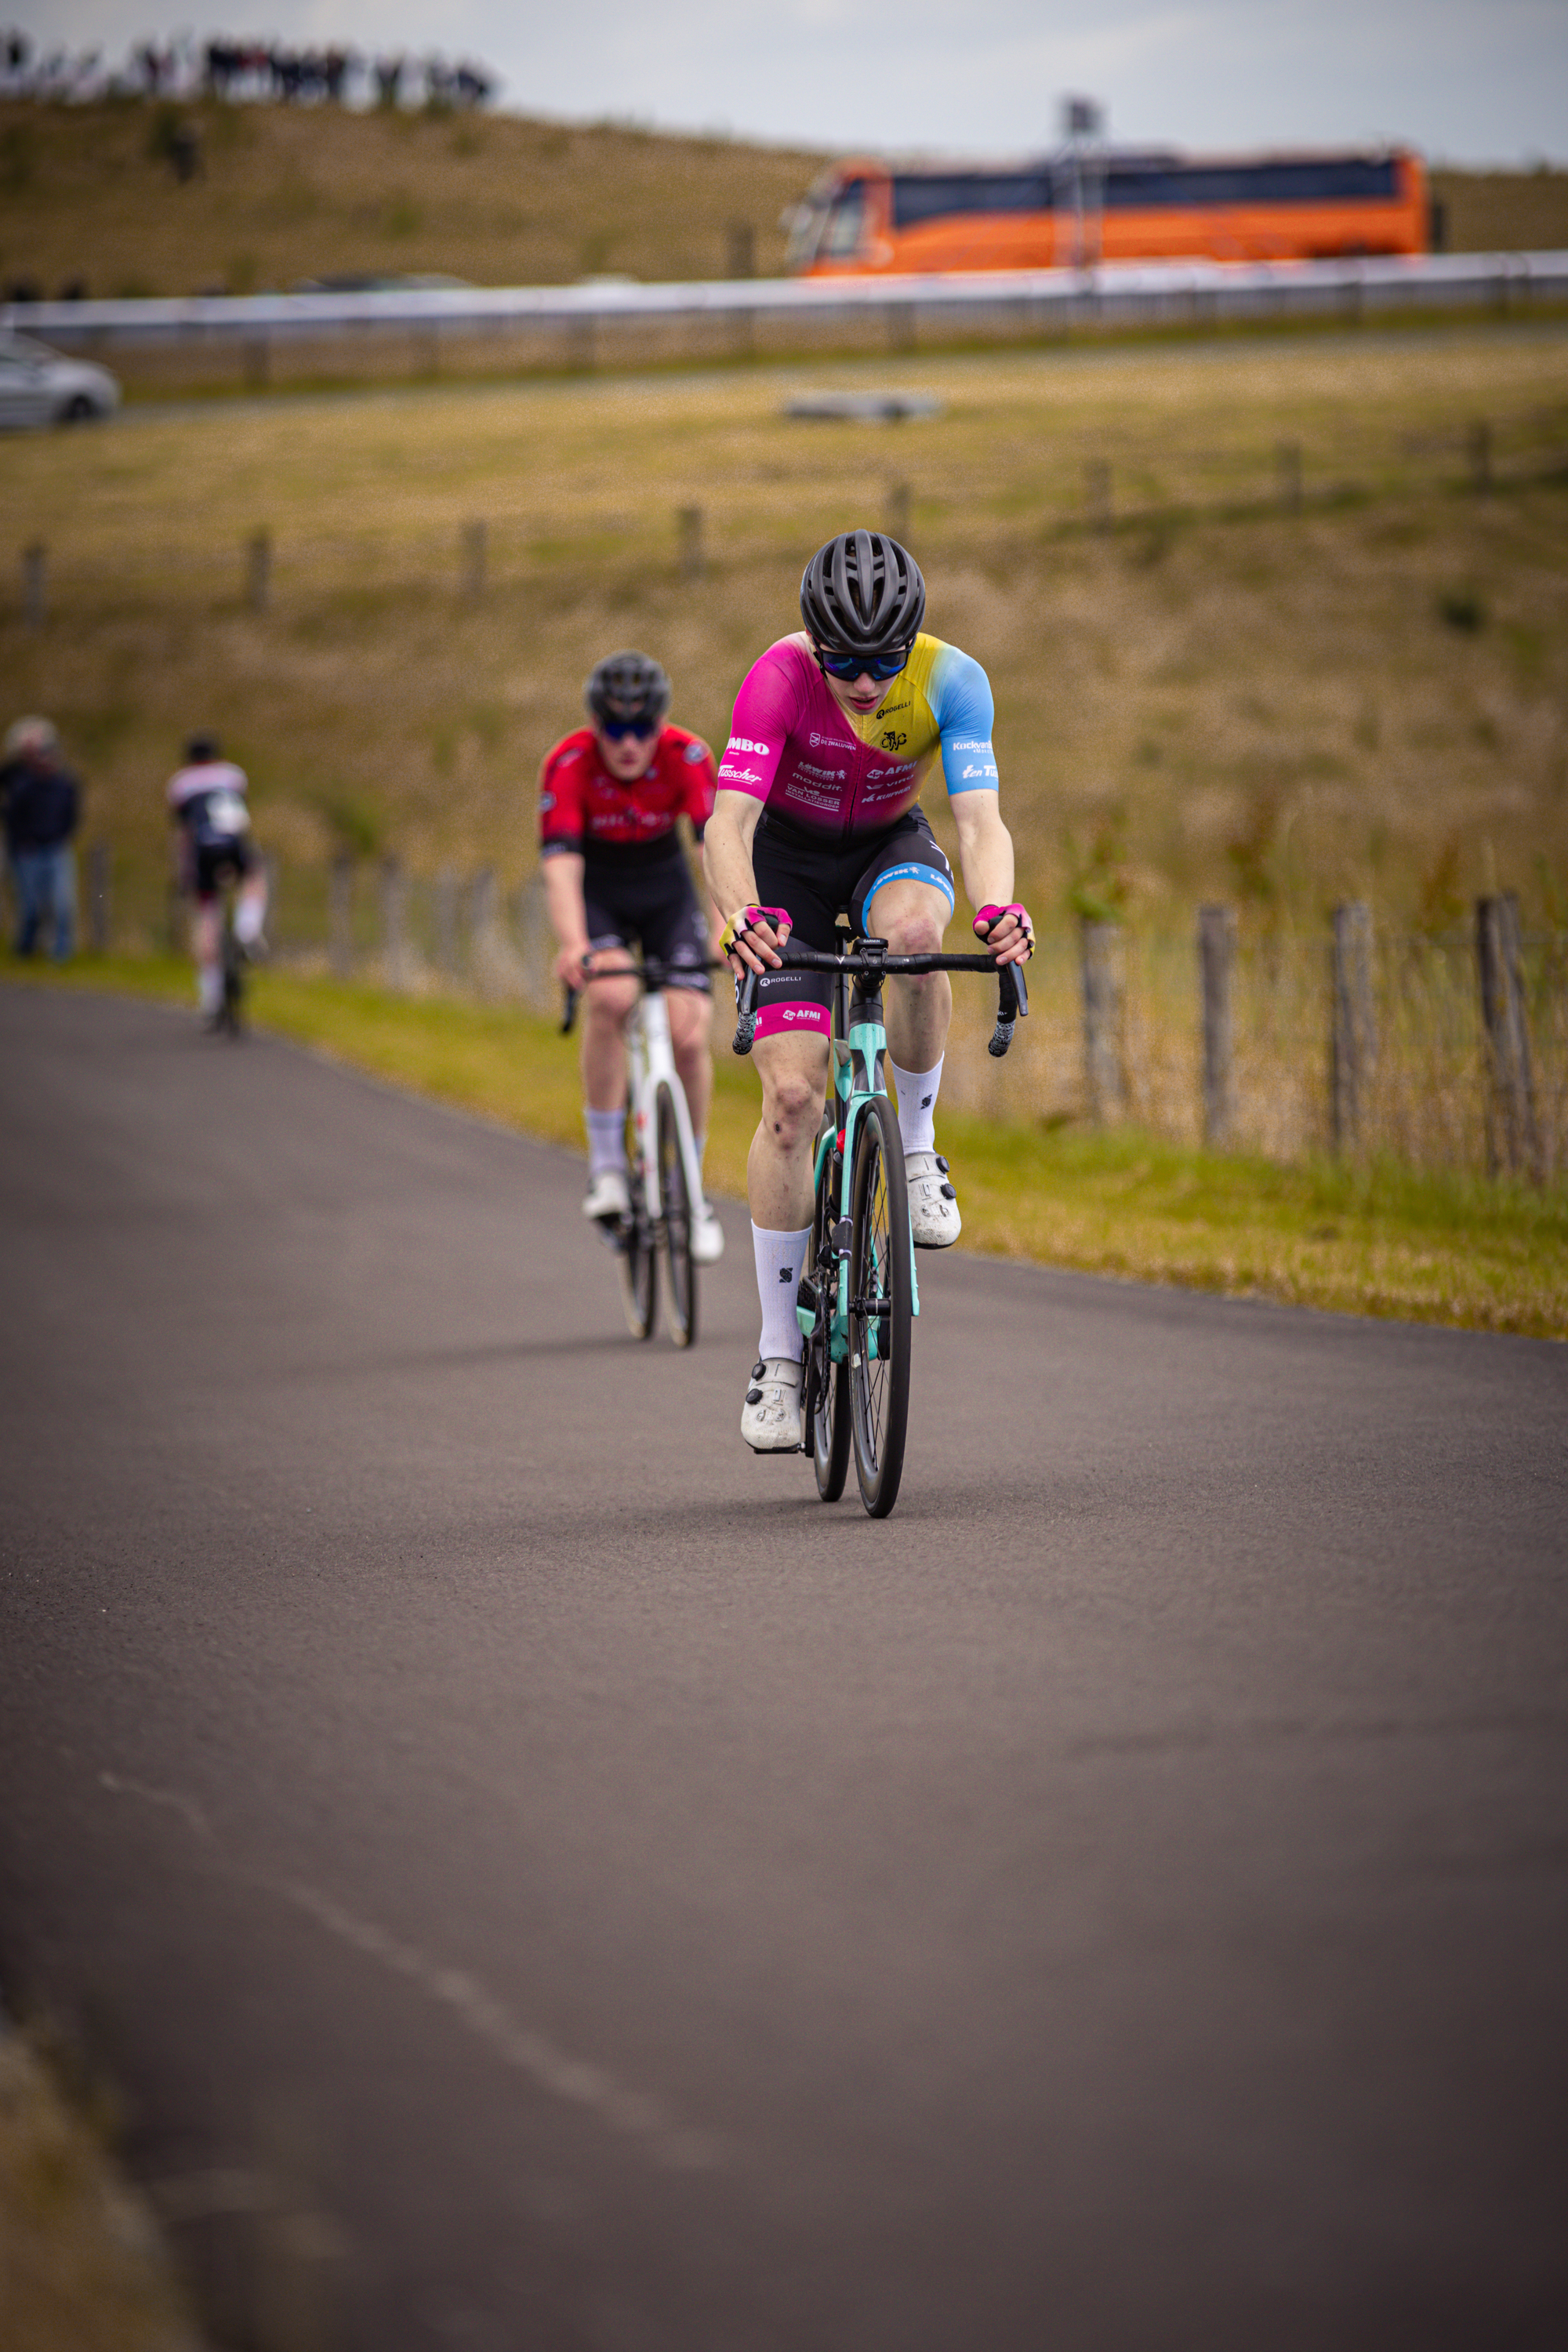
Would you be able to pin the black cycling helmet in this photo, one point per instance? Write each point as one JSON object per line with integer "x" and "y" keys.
{"x": 862, "y": 593}
{"x": 200, "y": 749}
{"x": 628, "y": 687}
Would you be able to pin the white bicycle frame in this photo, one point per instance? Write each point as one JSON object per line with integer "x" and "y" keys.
{"x": 650, "y": 1058}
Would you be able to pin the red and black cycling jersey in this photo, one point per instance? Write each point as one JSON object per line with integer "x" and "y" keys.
{"x": 585, "y": 811}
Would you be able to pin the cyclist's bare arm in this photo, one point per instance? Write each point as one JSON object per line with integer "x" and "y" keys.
{"x": 732, "y": 884}
{"x": 568, "y": 914}
{"x": 986, "y": 856}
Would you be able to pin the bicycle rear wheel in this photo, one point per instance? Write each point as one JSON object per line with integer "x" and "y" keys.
{"x": 674, "y": 1210}
{"x": 827, "y": 1383}
{"x": 880, "y": 1307}
{"x": 634, "y": 1253}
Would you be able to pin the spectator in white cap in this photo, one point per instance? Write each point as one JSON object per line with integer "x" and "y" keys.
{"x": 42, "y": 805}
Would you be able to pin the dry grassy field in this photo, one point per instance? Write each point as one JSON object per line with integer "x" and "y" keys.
{"x": 1201, "y": 694}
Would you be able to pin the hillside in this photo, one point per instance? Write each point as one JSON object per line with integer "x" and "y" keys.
{"x": 286, "y": 193}
{"x": 91, "y": 198}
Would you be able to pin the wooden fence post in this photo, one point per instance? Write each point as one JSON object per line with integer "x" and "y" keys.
{"x": 1478, "y": 445}
{"x": 688, "y": 520}
{"x": 35, "y": 598}
{"x": 901, "y": 330}
{"x": 272, "y": 872}
{"x": 1513, "y": 1138}
{"x": 481, "y": 919}
{"x": 1101, "y": 1057}
{"x": 1288, "y": 475}
{"x": 897, "y": 512}
{"x": 340, "y": 914}
{"x": 394, "y": 924}
{"x": 256, "y": 361}
{"x": 1352, "y": 1042}
{"x": 259, "y": 571}
{"x": 473, "y": 547}
{"x": 447, "y": 922}
{"x": 1216, "y": 955}
{"x": 1096, "y": 494}
{"x": 98, "y": 871}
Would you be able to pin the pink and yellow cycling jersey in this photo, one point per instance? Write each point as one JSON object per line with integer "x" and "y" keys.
{"x": 832, "y": 773}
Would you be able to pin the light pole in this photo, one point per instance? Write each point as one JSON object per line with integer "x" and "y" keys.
{"x": 1083, "y": 126}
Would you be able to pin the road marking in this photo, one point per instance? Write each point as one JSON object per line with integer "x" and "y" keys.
{"x": 634, "y": 2115}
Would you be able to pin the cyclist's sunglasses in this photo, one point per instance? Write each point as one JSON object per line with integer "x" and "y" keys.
{"x": 618, "y": 728}
{"x": 848, "y": 666}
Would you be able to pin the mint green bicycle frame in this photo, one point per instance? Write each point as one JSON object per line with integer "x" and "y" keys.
{"x": 859, "y": 1049}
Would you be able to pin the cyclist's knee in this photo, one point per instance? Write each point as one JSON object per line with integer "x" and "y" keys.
{"x": 792, "y": 1102}
{"x": 915, "y": 931}
{"x": 610, "y": 1001}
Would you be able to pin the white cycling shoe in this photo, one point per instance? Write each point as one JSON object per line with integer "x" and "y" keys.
{"x": 771, "y": 1418}
{"x": 707, "y": 1236}
{"x": 934, "y": 1220}
{"x": 606, "y": 1195}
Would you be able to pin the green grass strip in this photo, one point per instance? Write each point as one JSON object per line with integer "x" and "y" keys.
{"x": 1366, "y": 1239}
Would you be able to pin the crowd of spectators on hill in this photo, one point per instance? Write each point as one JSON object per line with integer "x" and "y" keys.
{"x": 225, "y": 66}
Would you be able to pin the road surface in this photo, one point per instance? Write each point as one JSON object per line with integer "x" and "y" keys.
{"x": 535, "y": 1878}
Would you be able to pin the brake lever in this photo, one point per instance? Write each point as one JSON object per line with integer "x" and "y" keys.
{"x": 746, "y": 1012}
{"x": 1013, "y": 1006}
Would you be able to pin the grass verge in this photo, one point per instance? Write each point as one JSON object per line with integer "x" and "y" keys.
{"x": 1374, "y": 1239}
{"x": 81, "y": 2269}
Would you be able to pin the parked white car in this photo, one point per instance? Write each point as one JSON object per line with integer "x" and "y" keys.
{"x": 39, "y": 386}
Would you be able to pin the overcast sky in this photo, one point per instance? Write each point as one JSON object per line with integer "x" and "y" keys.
{"x": 1467, "y": 81}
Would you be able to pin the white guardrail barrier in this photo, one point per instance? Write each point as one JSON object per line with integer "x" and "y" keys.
{"x": 1033, "y": 300}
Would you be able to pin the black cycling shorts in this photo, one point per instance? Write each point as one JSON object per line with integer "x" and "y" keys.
{"x": 218, "y": 858}
{"x": 818, "y": 881}
{"x": 654, "y": 905}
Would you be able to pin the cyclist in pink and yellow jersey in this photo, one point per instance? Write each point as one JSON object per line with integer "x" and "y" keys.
{"x": 819, "y": 814}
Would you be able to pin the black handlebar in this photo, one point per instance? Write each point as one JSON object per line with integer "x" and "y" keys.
{"x": 1013, "y": 995}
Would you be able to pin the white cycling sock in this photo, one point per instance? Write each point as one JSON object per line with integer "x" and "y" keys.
{"x": 606, "y": 1139}
{"x": 248, "y": 915}
{"x": 209, "y": 987}
{"x": 780, "y": 1257}
{"x": 917, "y": 1104}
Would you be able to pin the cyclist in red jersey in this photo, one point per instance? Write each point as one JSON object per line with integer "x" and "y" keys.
{"x": 818, "y": 812}
{"x": 610, "y": 794}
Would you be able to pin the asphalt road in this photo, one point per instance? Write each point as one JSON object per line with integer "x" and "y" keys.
{"x": 535, "y": 1878}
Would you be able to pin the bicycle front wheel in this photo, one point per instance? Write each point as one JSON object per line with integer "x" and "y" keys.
{"x": 635, "y": 1256}
{"x": 881, "y": 1301}
{"x": 232, "y": 1013}
{"x": 674, "y": 1210}
{"x": 827, "y": 1383}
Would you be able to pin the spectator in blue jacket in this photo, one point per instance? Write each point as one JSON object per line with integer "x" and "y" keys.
{"x": 41, "y": 800}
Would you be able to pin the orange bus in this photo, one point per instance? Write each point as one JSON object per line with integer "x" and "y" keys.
{"x": 1090, "y": 206}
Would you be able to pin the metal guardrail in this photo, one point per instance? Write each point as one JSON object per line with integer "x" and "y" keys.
{"x": 1122, "y": 293}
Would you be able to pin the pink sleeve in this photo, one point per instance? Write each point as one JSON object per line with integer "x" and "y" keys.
{"x": 766, "y": 709}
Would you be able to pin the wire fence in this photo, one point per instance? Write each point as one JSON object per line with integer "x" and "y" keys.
{"x": 1446, "y": 1051}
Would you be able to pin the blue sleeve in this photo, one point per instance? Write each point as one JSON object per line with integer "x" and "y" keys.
{"x": 964, "y": 710}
